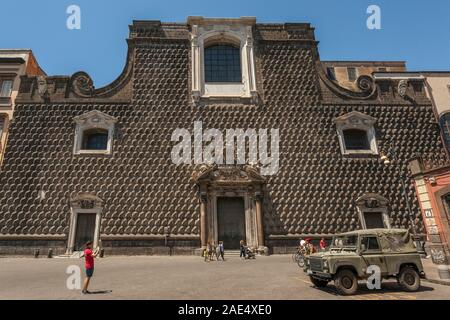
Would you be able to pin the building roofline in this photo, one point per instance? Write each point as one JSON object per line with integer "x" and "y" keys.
{"x": 398, "y": 75}
{"x": 15, "y": 51}
{"x": 434, "y": 72}
{"x": 245, "y": 20}
{"x": 379, "y": 62}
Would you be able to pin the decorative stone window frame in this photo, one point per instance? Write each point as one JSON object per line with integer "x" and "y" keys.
{"x": 359, "y": 121}
{"x": 93, "y": 120}
{"x": 237, "y": 32}
{"x": 84, "y": 203}
{"x": 6, "y": 101}
{"x": 373, "y": 202}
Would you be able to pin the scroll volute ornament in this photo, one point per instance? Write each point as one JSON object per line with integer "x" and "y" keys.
{"x": 402, "y": 88}
{"x": 42, "y": 86}
{"x": 365, "y": 83}
{"x": 82, "y": 84}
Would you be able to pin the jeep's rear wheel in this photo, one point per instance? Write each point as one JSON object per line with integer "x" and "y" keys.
{"x": 319, "y": 283}
{"x": 409, "y": 279}
{"x": 346, "y": 282}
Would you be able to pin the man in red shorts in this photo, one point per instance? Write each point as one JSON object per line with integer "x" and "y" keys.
{"x": 89, "y": 264}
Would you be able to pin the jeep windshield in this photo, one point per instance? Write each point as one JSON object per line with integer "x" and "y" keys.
{"x": 345, "y": 242}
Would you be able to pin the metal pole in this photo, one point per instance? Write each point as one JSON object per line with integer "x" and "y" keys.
{"x": 413, "y": 225}
{"x": 410, "y": 214}
{"x": 403, "y": 177}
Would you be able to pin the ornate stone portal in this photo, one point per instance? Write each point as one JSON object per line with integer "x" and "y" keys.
{"x": 245, "y": 181}
{"x": 373, "y": 204}
{"x": 84, "y": 203}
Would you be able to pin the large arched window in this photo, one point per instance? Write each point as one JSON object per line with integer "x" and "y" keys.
{"x": 445, "y": 127}
{"x": 223, "y": 60}
{"x": 222, "y": 63}
{"x": 95, "y": 139}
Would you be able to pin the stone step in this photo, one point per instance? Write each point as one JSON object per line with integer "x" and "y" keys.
{"x": 75, "y": 255}
{"x": 232, "y": 253}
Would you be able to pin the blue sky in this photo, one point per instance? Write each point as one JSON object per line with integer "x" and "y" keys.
{"x": 412, "y": 30}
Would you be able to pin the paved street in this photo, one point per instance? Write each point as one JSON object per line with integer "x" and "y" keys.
{"x": 156, "y": 277}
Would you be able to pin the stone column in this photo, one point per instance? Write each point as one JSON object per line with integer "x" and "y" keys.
{"x": 259, "y": 221}
{"x": 203, "y": 221}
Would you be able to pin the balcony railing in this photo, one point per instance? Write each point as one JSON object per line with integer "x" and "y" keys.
{"x": 432, "y": 164}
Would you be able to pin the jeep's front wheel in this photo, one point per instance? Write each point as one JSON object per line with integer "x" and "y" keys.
{"x": 319, "y": 283}
{"x": 409, "y": 279}
{"x": 346, "y": 282}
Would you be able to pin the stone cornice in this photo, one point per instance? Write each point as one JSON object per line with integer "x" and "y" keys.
{"x": 78, "y": 88}
{"x": 109, "y": 237}
{"x": 33, "y": 237}
{"x": 198, "y": 20}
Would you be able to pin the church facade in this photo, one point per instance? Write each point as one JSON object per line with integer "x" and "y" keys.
{"x": 216, "y": 130}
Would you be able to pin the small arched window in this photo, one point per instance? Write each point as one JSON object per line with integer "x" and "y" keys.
{"x": 94, "y": 133}
{"x": 222, "y": 63}
{"x": 95, "y": 139}
{"x": 356, "y": 134}
{"x": 356, "y": 139}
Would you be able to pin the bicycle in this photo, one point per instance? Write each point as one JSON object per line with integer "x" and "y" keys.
{"x": 299, "y": 257}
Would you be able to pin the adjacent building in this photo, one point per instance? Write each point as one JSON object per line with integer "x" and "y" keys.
{"x": 217, "y": 129}
{"x": 14, "y": 63}
{"x": 346, "y": 73}
{"x": 432, "y": 177}
{"x": 438, "y": 90}
{"x": 432, "y": 182}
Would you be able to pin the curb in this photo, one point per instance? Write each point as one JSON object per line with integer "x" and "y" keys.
{"x": 436, "y": 281}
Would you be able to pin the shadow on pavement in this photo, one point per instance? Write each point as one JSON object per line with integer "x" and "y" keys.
{"x": 100, "y": 292}
{"x": 386, "y": 287}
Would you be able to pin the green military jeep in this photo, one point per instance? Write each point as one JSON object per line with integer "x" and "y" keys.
{"x": 350, "y": 255}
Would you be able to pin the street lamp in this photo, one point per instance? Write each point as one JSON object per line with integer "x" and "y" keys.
{"x": 403, "y": 177}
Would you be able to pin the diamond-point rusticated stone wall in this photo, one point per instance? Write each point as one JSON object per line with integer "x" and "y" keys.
{"x": 313, "y": 193}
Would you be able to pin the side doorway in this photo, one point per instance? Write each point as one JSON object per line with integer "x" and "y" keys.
{"x": 85, "y": 220}
{"x": 85, "y": 230}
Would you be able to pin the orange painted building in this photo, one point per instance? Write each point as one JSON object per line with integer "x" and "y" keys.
{"x": 432, "y": 183}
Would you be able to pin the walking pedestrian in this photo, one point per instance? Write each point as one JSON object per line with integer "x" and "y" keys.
{"x": 221, "y": 250}
{"x": 302, "y": 243}
{"x": 208, "y": 251}
{"x": 242, "y": 249}
{"x": 214, "y": 251}
{"x": 89, "y": 265}
{"x": 322, "y": 244}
